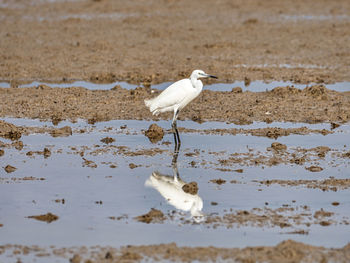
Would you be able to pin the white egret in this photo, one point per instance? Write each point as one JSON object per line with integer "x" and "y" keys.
{"x": 177, "y": 96}
{"x": 170, "y": 187}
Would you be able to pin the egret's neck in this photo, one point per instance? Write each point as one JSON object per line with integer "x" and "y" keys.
{"x": 196, "y": 83}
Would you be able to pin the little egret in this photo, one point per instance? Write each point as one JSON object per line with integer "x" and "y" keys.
{"x": 177, "y": 96}
{"x": 171, "y": 188}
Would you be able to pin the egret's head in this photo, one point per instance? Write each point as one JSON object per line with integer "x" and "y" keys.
{"x": 201, "y": 74}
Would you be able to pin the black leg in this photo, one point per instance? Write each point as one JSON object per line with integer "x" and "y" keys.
{"x": 174, "y": 160}
{"x": 177, "y": 132}
{"x": 176, "y": 136}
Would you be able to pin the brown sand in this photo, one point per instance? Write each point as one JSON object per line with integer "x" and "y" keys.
{"x": 313, "y": 105}
{"x": 285, "y": 252}
{"x": 164, "y": 40}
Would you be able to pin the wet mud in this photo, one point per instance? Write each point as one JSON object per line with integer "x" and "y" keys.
{"x": 324, "y": 185}
{"x": 229, "y": 169}
{"x": 278, "y": 171}
{"x": 312, "y": 105}
{"x": 62, "y": 41}
{"x": 153, "y": 216}
{"x": 286, "y": 251}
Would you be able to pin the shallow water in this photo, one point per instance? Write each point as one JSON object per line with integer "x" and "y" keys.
{"x": 255, "y": 86}
{"x": 122, "y": 190}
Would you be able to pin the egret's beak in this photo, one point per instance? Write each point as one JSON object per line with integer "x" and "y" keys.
{"x": 211, "y": 76}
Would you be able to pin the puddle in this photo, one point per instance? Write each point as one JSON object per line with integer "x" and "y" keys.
{"x": 100, "y": 203}
{"x": 315, "y": 17}
{"x": 255, "y": 86}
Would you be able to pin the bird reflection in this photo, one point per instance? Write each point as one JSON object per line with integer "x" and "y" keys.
{"x": 172, "y": 189}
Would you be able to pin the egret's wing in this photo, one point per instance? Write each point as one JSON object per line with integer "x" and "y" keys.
{"x": 173, "y": 95}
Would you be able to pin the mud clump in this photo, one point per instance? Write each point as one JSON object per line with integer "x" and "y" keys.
{"x": 89, "y": 163}
{"x": 61, "y": 132}
{"x": 9, "y": 131}
{"x": 278, "y": 146}
{"x": 154, "y": 133}
{"x": 314, "y": 168}
{"x": 237, "y": 90}
{"x": 46, "y": 217}
{"x": 2, "y": 152}
{"x": 325, "y": 223}
{"x": 75, "y": 259}
{"x": 320, "y": 214}
{"x": 153, "y": 216}
{"x": 285, "y": 91}
{"x": 346, "y": 155}
{"x": 130, "y": 257}
{"x": 133, "y": 166}
{"x": 190, "y": 188}
{"x": 10, "y": 168}
{"x": 218, "y": 181}
{"x": 315, "y": 91}
{"x": 107, "y": 140}
{"x": 46, "y": 153}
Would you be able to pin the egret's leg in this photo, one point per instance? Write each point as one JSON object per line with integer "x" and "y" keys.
{"x": 173, "y": 125}
{"x": 174, "y": 163}
{"x": 177, "y": 132}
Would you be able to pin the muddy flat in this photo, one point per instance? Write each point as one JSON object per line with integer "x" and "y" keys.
{"x": 87, "y": 174}
{"x": 162, "y": 41}
{"x": 113, "y": 180}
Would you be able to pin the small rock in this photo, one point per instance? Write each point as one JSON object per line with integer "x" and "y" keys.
{"x": 334, "y": 125}
{"x": 10, "y": 168}
{"x": 2, "y": 152}
{"x": 107, "y": 140}
{"x": 133, "y": 166}
{"x": 46, "y": 217}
